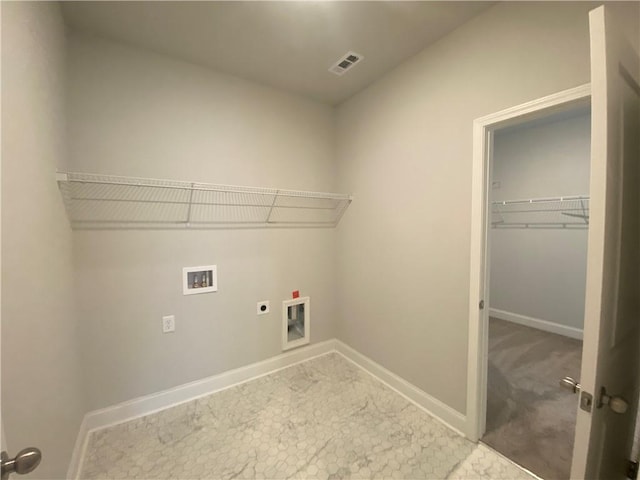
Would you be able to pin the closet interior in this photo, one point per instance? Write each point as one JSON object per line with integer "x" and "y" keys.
{"x": 539, "y": 223}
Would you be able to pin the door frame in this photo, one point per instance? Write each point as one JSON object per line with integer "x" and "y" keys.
{"x": 483, "y": 130}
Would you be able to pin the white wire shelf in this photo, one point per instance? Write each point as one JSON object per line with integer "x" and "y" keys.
{"x": 111, "y": 202}
{"x": 549, "y": 212}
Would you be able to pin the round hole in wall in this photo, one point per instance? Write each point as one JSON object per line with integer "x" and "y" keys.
{"x": 263, "y": 308}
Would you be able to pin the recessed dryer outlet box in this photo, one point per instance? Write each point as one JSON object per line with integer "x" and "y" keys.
{"x": 296, "y": 322}
{"x": 263, "y": 307}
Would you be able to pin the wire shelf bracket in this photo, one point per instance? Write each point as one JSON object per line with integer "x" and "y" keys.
{"x": 105, "y": 202}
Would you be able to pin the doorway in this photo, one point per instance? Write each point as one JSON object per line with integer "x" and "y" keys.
{"x": 545, "y": 212}
{"x": 537, "y": 245}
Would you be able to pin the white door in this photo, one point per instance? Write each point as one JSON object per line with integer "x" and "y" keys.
{"x": 612, "y": 306}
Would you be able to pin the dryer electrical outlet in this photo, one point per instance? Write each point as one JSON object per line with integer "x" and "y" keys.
{"x": 263, "y": 307}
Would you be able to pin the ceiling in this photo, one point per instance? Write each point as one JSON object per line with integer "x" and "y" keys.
{"x": 287, "y": 45}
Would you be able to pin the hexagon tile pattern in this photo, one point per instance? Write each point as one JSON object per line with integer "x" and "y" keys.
{"x": 321, "y": 419}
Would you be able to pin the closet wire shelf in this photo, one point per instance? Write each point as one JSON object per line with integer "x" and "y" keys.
{"x": 571, "y": 212}
{"x": 95, "y": 202}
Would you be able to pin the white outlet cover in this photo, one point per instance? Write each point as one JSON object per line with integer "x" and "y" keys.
{"x": 168, "y": 324}
{"x": 263, "y": 307}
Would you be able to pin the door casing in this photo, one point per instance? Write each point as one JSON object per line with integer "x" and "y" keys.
{"x": 483, "y": 130}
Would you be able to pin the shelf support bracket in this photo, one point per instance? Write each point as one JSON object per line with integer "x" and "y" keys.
{"x": 188, "y": 222}
{"x": 584, "y": 212}
{"x": 275, "y": 198}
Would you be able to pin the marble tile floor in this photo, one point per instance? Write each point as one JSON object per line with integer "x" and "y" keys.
{"x": 321, "y": 419}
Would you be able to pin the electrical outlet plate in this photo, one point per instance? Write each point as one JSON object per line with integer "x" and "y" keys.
{"x": 263, "y": 307}
{"x": 168, "y": 324}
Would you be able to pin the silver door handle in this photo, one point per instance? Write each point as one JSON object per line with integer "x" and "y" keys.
{"x": 570, "y": 384}
{"x": 24, "y": 462}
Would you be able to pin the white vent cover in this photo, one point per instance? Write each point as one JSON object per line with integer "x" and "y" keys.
{"x": 345, "y": 63}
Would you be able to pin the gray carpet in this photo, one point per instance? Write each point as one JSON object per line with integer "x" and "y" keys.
{"x": 530, "y": 419}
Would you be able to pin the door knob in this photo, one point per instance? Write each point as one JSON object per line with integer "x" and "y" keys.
{"x": 570, "y": 384}
{"x": 615, "y": 403}
{"x": 24, "y": 462}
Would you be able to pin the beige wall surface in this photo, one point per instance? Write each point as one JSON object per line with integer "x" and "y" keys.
{"x": 136, "y": 113}
{"x": 404, "y": 149}
{"x": 42, "y": 395}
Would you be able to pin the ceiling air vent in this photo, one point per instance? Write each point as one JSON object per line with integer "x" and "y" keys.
{"x": 345, "y": 63}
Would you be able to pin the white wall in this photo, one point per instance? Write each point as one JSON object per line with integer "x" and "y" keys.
{"x": 42, "y": 395}
{"x": 541, "y": 273}
{"x": 136, "y": 113}
{"x": 404, "y": 150}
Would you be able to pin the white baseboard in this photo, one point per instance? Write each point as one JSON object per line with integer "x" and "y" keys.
{"x": 545, "y": 325}
{"x": 432, "y": 406}
{"x": 148, "y": 404}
